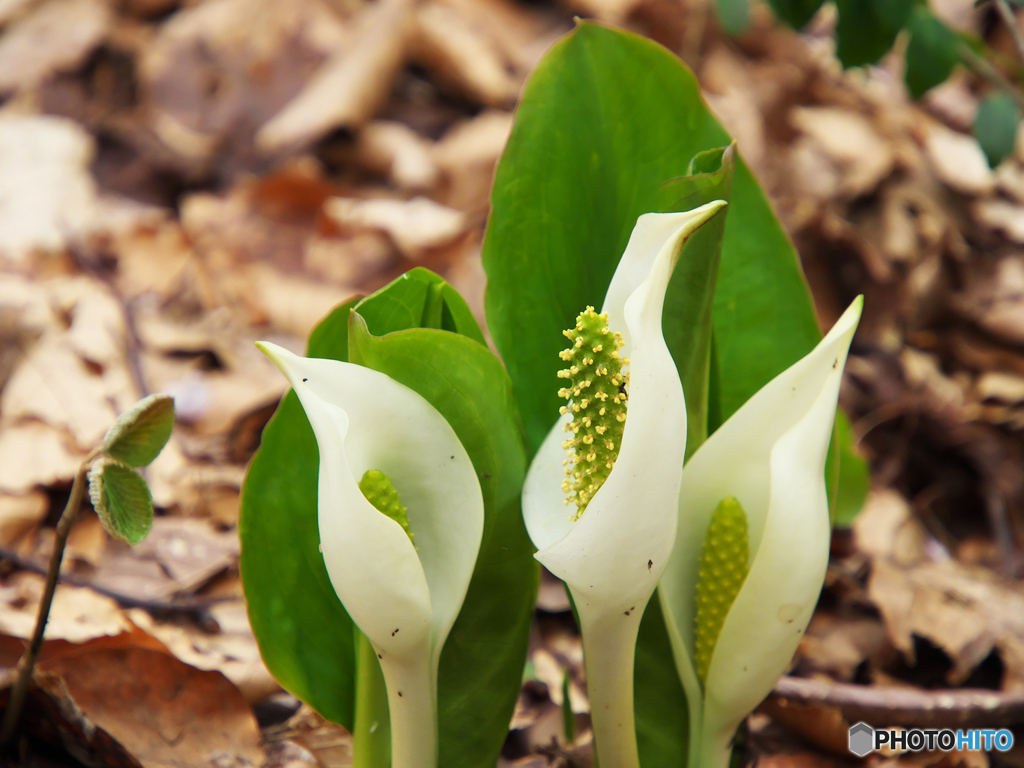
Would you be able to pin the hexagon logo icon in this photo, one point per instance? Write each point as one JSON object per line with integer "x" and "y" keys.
{"x": 862, "y": 739}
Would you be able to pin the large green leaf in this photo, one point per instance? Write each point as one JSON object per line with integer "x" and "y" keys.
{"x": 604, "y": 121}
{"x": 796, "y": 13}
{"x": 482, "y": 661}
{"x": 304, "y": 633}
{"x": 933, "y": 51}
{"x": 868, "y": 28}
{"x": 686, "y": 320}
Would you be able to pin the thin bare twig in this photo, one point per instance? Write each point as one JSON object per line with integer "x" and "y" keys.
{"x": 1010, "y": 19}
{"x": 28, "y": 660}
{"x": 903, "y": 706}
{"x": 983, "y": 67}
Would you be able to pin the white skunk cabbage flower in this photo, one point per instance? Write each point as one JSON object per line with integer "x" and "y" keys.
{"x": 613, "y": 550}
{"x": 760, "y": 478}
{"x": 401, "y": 580}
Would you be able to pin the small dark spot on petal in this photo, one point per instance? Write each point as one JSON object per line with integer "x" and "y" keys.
{"x": 835, "y": 362}
{"x": 305, "y": 379}
{"x": 380, "y": 655}
{"x": 399, "y": 693}
{"x": 394, "y": 633}
{"x": 650, "y": 564}
{"x": 453, "y": 457}
{"x": 625, "y": 613}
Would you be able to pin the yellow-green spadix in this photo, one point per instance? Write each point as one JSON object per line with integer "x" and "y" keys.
{"x": 613, "y": 555}
{"x": 767, "y": 460}
{"x": 404, "y": 598}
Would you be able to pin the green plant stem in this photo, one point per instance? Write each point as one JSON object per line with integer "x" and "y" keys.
{"x": 27, "y": 662}
{"x": 1010, "y": 19}
{"x": 411, "y": 681}
{"x": 371, "y": 732}
{"x": 609, "y": 647}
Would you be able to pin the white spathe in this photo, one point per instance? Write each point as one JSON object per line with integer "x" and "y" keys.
{"x": 405, "y": 601}
{"x": 613, "y": 556}
{"x": 770, "y": 455}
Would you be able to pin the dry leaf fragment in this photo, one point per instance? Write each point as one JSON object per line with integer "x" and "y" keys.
{"x": 164, "y": 712}
{"x": 47, "y": 196}
{"x": 54, "y": 385}
{"x": 55, "y": 37}
{"x": 78, "y": 614}
{"x": 350, "y": 86}
{"x": 220, "y": 69}
{"x": 462, "y": 55}
{"x": 958, "y": 160}
{"x": 19, "y": 514}
{"x": 1001, "y": 215}
{"x": 33, "y": 455}
{"x": 415, "y": 225}
{"x": 847, "y": 141}
{"x": 399, "y": 152}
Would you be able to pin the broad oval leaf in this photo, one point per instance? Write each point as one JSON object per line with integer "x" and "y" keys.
{"x": 141, "y": 432}
{"x": 304, "y": 633}
{"x": 996, "y": 126}
{"x": 121, "y": 499}
{"x": 932, "y": 52}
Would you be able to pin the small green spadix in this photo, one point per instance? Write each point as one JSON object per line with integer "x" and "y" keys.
{"x": 724, "y": 564}
{"x": 380, "y": 492}
{"x": 597, "y": 402}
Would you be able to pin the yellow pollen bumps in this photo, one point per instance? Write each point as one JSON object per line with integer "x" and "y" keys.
{"x": 724, "y": 564}
{"x": 594, "y": 366}
{"x": 380, "y": 492}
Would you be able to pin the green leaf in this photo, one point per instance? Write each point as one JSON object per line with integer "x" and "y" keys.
{"x": 305, "y": 635}
{"x": 141, "y": 432}
{"x": 121, "y": 499}
{"x": 853, "y": 477}
{"x": 867, "y": 29}
{"x": 996, "y": 126}
{"x": 482, "y": 662}
{"x": 932, "y": 52}
{"x": 662, "y": 722}
{"x": 686, "y": 319}
{"x": 734, "y": 15}
{"x": 796, "y": 13}
{"x": 605, "y": 120}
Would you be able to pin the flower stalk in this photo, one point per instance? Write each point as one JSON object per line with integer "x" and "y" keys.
{"x": 612, "y": 555}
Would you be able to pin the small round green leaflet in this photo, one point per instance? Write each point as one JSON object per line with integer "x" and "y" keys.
{"x": 141, "y": 432}
{"x": 996, "y": 126}
{"x": 121, "y": 499}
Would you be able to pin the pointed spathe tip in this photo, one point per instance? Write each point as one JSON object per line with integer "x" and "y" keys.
{"x": 282, "y": 359}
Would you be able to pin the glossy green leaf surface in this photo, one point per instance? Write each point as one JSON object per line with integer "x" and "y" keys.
{"x": 932, "y": 52}
{"x": 141, "y": 432}
{"x": 867, "y": 29}
{"x": 852, "y": 478}
{"x": 605, "y": 131}
{"x": 995, "y": 127}
{"x": 606, "y": 119}
{"x": 304, "y": 633}
{"x": 796, "y": 13}
{"x": 121, "y": 499}
{"x": 686, "y": 320}
{"x": 482, "y": 662}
